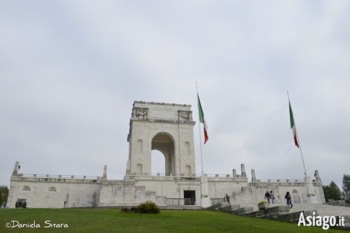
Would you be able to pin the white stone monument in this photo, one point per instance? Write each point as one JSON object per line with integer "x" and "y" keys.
{"x": 169, "y": 129}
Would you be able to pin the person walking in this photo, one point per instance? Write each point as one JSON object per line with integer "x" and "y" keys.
{"x": 289, "y": 200}
{"x": 267, "y": 196}
{"x": 228, "y": 199}
{"x": 272, "y": 195}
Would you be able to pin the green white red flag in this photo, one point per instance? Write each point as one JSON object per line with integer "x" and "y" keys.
{"x": 292, "y": 125}
{"x": 202, "y": 120}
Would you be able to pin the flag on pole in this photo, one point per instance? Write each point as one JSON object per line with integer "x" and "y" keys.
{"x": 202, "y": 120}
{"x": 292, "y": 125}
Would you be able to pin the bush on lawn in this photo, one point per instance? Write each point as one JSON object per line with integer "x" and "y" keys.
{"x": 134, "y": 209}
{"x": 125, "y": 210}
{"x": 148, "y": 207}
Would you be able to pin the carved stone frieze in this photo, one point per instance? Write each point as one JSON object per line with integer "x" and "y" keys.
{"x": 185, "y": 115}
{"x": 141, "y": 113}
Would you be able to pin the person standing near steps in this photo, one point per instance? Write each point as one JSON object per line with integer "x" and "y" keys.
{"x": 272, "y": 195}
{"x": 289, "y": 200}
{"x": 267, "y": 196}
{"x": 228, "y": 199}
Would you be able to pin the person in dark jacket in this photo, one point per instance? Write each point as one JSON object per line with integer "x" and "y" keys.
{"x": 289, "y": 200}
{"x": 267, "y": 196}
{"x": 228, "y": 199}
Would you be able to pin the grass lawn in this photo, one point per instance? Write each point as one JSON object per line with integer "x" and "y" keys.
{"x": 113, "y": 220}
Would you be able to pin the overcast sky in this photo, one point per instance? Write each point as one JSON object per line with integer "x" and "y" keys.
{"x": 71, "y": 70}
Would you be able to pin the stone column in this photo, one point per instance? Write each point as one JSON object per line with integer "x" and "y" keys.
{"x": 318, "y": 178}
{"x": 310, "y": 194}
{"x": 205, "y": 199}
{"x": 105, "y": 172}
{"x": 253, "y": 176}
{"x": 243, "y": 170}
{"x": 234, "y": 172}
{"x": 15, "y": 170}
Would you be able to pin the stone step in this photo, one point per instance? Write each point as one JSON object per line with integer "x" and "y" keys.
{"x": 294, "y": 216}
{"x": 242, "y": 210}
{"x": 269, "y": 212}
{"x": 322, "y": 210}
{"x": 182, "y": 207}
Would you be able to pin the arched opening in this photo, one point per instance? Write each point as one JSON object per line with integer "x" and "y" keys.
{"x": 158, "y": 162}
{"x": 140, "y": 146}
{"x": 188, "y": 170}
{"x": 187, "y": 148}
{"x": 139, "y": 169}
{"x": 164, "y": 143}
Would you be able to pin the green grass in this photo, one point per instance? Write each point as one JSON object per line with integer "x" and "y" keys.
{"x": 113, "y": 220}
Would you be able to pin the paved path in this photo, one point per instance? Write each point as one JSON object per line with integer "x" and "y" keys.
{"x": 322, "y": 210}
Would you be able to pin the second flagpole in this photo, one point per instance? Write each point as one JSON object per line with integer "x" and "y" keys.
{"x": 296, "y": 133}
{"x": 310, "y": 195}
{"x": 199, "y": 127}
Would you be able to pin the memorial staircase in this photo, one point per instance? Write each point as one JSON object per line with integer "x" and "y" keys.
{"x": 282, "y": 211}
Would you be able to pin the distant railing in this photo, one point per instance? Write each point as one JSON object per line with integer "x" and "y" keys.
{"x": 178, "y": 201}
{"x": 155, "y": 174}
{"x": 59, "y": 176}
{"x": 162, "y": 174}
{"x": 215, "y": 201}
{"x": 279, "y": 180}
{"x": 181, "y": 174}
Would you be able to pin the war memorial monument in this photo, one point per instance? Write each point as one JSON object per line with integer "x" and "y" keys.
{"x": 168, "y": 128}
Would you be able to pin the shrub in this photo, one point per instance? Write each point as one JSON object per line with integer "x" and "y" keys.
{"x": 148, "y": 207}
{"x": 134, "y": 209}
{"x": 4, "y": 192}
{"x": 125, "y": 210}
{"x": 262, "y": 202}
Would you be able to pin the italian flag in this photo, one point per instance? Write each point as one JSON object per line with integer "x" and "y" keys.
{"x": 292, "y": 125}
{"x": 202, "y": 120}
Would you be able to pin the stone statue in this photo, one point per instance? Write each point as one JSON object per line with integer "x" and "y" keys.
{"x": 140, "y": 113}
{"x": 185, "y": 115}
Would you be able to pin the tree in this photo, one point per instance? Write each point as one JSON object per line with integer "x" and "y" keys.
{"x": 346, "y": 188}
{"x": 332, "y": 192}
{"x": 4, "y": 192}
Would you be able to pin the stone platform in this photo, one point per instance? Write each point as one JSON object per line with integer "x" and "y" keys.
{"x": 282, "y": 212}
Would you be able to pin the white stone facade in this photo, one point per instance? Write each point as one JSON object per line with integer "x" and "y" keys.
{"x": 54, "y": 192}
{"x": 164, "y": 127}
{"x": 169, "y": 129}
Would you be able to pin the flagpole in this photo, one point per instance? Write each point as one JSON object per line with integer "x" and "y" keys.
{"x": 296, "y": 133}
{"x": 199, "y": 127}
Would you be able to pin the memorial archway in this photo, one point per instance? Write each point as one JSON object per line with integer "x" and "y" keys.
{"x": 164, "y": 143}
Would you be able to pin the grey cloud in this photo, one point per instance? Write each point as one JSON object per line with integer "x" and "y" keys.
{"x": 70, "y": 72}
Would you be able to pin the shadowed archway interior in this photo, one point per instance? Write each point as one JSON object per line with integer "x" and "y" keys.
{"x": 165, "y": 144}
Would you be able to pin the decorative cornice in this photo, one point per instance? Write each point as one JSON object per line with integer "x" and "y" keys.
{"x": 157, "y": 103}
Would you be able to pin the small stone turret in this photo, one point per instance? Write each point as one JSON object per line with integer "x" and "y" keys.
{"x": 234, "y": 173}
{"x": 317, "y": 175}
{"x": 105, "y": 172}
{"x": 128, "y": 168}
{"x": 15, "y": 170}
{"x": 243, "y": 170}
{"x": 253, "y": 176}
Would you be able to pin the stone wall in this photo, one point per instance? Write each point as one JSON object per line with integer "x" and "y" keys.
{"x": 255, "y": 192}
{"x": 127, "y": 193}
{"x": 53, "y": 192}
